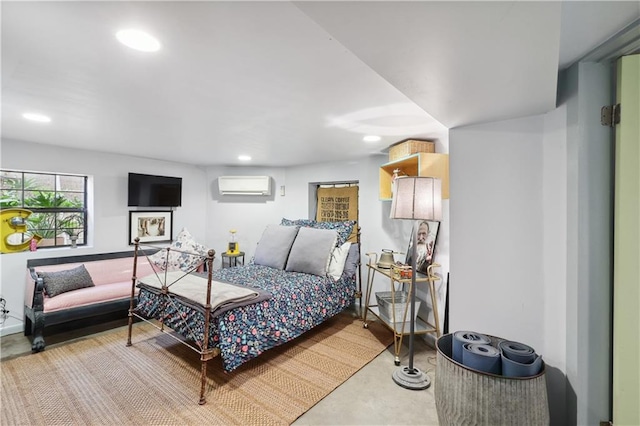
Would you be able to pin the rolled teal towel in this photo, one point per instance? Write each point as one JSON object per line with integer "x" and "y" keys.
{"x": 462, "y": 337}
{"x": 512, "y": 368}
{"x": 518, "y": 352}
{"x": 484, "y": 358}
{"x": 519, "y": 360}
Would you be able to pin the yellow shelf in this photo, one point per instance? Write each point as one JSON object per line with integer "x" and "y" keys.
{"x": 420, "y": 164}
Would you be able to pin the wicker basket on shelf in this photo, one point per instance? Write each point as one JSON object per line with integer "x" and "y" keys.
{"x": 410, "y": 146}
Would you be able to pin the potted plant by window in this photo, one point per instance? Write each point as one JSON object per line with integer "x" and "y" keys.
{"x": 73, "y": 226}
{"x": 43, "y": 224}
{"x": 44, "y": 219}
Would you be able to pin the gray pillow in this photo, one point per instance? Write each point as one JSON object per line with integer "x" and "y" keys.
{"x": 351, "y": 264}
{"x": 274, "y": 246}
{"x": 311, "y": 251}
{"x": 59, "y": 282}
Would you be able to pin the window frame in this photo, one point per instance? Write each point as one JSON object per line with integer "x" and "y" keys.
{"x": 56, "y": 192}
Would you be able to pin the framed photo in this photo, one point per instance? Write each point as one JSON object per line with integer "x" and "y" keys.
{"x": 153, "y": 226}
{"x": 426, "y": 248}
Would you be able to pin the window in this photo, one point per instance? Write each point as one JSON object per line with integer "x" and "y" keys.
{"x": 58, "y": 203}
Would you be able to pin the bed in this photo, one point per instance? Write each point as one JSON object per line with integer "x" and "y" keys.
{"x": 302, "y": 273}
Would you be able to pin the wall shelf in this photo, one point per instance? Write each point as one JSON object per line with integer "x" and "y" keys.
{"x": 420, "y": 164}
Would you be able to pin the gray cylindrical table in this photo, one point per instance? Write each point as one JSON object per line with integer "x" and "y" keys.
{"x": 469, "y": 397}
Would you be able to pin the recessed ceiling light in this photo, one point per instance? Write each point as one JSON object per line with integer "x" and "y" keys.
{"x": 138, "y": 40}
{"x": 40, "y": 118}
{"x": 371, "y": 138}
{"x": 244, "y": 158}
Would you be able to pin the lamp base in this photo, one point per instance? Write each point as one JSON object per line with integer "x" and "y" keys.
{"x": 411, "y": 379}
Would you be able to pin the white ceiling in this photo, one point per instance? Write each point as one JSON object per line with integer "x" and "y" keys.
{"x": 286, "y": 83}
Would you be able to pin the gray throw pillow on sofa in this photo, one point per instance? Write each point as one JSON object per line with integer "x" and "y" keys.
{"x": 59, "y": 282}
{"x": 311, "y": 251}
{"x": 274, "y": 246}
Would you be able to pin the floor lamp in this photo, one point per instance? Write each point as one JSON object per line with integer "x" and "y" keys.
{"x": 415, "y": 198}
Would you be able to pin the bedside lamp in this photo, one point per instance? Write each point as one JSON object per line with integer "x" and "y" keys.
{"x": 415, "y": 198}
{"x": 232, "y": 246}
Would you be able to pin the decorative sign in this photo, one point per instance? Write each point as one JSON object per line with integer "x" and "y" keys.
{"x": 336, "y": 204}
{"x": 13, "y": 226}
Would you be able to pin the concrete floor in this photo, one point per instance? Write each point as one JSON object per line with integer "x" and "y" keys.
{"x": 370, "y": 397}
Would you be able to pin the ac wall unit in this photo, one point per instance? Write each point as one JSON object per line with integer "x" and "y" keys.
{"x": 244, "y": 185}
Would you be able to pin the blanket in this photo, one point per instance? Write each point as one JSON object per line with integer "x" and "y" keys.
{"x": 192, "y": 290}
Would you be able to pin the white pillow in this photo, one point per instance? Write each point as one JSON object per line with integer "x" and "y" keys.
{"x": 338, "y": 259}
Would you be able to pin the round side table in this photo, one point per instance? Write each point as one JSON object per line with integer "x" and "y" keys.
{"x": 229, "y": 260}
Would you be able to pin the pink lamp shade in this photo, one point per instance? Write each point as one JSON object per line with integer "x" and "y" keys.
{"x": 417, "y": 197}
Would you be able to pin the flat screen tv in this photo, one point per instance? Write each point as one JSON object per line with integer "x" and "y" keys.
{"x": 154, "y": 191}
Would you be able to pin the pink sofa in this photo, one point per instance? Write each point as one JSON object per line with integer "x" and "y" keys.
{"x": 111, "y": 273}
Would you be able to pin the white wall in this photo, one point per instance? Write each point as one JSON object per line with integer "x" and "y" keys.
{"x": 585, "y": 88}
{"x": 109, "y": 214}
{"x": 496, "y": 227}
{"x": 509, "y": 239}
{"x": 554, "y": 259}
{"x": 247, "y": 214}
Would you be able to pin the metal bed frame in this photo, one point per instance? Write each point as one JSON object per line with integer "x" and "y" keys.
{"x": 205, "y": 353}
{"x": 203, "y": 350}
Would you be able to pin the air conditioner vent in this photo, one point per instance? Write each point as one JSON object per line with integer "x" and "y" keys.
{"x": 244, "y": 185}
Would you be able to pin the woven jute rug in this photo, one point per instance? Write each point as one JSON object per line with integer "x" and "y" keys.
{"x": 157, "y": 380}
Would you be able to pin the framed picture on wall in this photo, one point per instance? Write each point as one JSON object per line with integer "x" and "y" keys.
{"x": 151, "y": 226}
{"x": 426, "y": 248}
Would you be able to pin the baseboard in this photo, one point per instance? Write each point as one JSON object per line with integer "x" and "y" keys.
{"x": 11, "y": 329}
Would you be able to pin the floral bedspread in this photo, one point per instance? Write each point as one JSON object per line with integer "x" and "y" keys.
{"x": 299, "y": 302}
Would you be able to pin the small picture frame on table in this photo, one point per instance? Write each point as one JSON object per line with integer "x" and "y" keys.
{"x": 427, "y": 238}
{"x": 151, "y": 226}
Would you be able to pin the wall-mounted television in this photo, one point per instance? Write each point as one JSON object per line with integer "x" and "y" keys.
{"x": 154, "y": 191}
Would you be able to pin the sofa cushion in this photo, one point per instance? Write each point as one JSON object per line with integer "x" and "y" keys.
{"x": 59, "y": 282}
{"x": 102, "y": 272}
{"x": 115, "y": 270}
{"x": 98, "y": 294}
